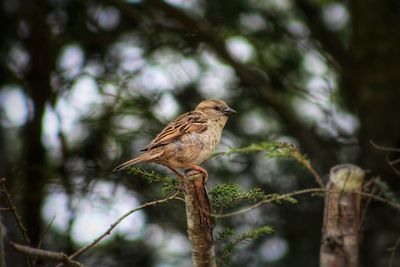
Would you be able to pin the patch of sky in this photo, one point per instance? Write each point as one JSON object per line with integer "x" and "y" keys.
{"x": 15, "y": 106}
{"x": 18, "y": 60}
{"x": 273, "y": 249}
{"x": 217, "y": 79}
{"x": 71, "y": 60}
{"x": 166, "y": 108}
{"x": 240, "y": 48}
{"x": 335, "y": 16}
{"x": 252, "y": 22}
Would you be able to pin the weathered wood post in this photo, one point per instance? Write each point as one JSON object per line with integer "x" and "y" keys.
{"x": 340, "y": 232}
{"x": 200, "y": 229}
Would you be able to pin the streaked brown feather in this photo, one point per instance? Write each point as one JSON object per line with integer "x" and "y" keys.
{"x": 190, "y": 122}
{"x": 142, "y": 158}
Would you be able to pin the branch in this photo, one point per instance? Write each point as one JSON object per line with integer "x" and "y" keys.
{"x": 391, "y": 163}
{"x": 43, "y": 236}
{"x": 276, "y": 150}
{"x": 120, "y": 219}
{"x": 384, "y": 148}
{"x": 393, "y": 253}
{"x": 232, "y": 245}
{"x": 20, "y": 225}
{"x": 41, "y": 253}
{"x": 269, "y": 199}
{"x": 276, "y": 198}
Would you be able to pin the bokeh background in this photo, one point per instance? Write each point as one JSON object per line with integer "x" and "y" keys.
{"x": 85, "y": 84}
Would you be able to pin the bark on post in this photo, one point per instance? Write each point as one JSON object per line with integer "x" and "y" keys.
{"x": 340, "y": 232}
{"x": 200, "y": 227}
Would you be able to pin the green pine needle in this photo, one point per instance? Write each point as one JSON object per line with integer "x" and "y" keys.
{"x": 169, "y": 183}
{"x": 247, "y": 236}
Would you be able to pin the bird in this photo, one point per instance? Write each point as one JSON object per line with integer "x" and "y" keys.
{"x": 187, "y": 140}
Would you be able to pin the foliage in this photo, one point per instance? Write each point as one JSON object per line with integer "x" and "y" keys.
{"x": 169, "y": 184}
{"x": 228, "y": 195}
{"x": 386, "y": 191}
{"x": 273, "y": 150}
{"x": 230, "y": 234}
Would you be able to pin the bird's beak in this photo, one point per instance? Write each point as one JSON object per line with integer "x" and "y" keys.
{"x": 229, "y": 111}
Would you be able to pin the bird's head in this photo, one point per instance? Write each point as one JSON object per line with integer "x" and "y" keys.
{"x": 215, "y": 108}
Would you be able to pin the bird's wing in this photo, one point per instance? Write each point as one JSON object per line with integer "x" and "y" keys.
{"x": 190, "y": 122}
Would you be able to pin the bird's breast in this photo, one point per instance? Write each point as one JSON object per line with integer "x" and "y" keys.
{"x": 196, "y": 147}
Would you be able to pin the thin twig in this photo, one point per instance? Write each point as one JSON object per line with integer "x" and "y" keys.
{"x": 46, "y": 231}
{"x": 380, "y": 199}
{"x": 41, "y": 253}
{"x": 279, "y": 150}
{"x": 366, "y": 206}
{"x": 393, "y": 254}
{"x": 384, "y": 148}
{"x": 120, "y": 219}
{"x": 302, "y": 192}
{"x": 23, "y": 231}
{"x": 391, "y": 163}
{"x": 303, "y": 161}
{"x": 43, "y": 236}
{"x": 5, "y": 209}
{"x": 21, "y": 227}
{"x": 395, "y": 161}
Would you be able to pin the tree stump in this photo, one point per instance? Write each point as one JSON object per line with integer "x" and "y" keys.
{"x": 340, "y": 232}
{"x": 200, "y": 229}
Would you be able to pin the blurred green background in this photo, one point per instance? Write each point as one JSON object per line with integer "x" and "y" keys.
{"x": 84, "y": 85}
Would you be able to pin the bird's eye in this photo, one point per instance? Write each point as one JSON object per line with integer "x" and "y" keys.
{"x": 218, "y": 108}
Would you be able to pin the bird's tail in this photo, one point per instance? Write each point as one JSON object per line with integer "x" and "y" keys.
{"x": 142, "y": 158}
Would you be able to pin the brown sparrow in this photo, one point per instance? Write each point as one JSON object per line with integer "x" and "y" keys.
{"x": 188, "y": 140}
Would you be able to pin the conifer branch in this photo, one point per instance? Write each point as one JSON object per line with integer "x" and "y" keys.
{"x": 169, "y": 183}
{"x": 277, "y": 198}
{"x": 250, "y": 235}
{"x": 276, "y": 150}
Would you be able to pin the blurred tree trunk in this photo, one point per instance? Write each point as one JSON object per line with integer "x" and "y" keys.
{"x": 371, "y": 88}
{"x": 372, "y": 81}
{"x": 38, "y": 45}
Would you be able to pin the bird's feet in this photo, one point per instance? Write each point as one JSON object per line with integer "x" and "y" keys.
{"x": 197, "y": 169}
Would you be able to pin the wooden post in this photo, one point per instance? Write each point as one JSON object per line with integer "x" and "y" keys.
{"x": 200, "y": 227}
{"x": 340, "y": 232}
